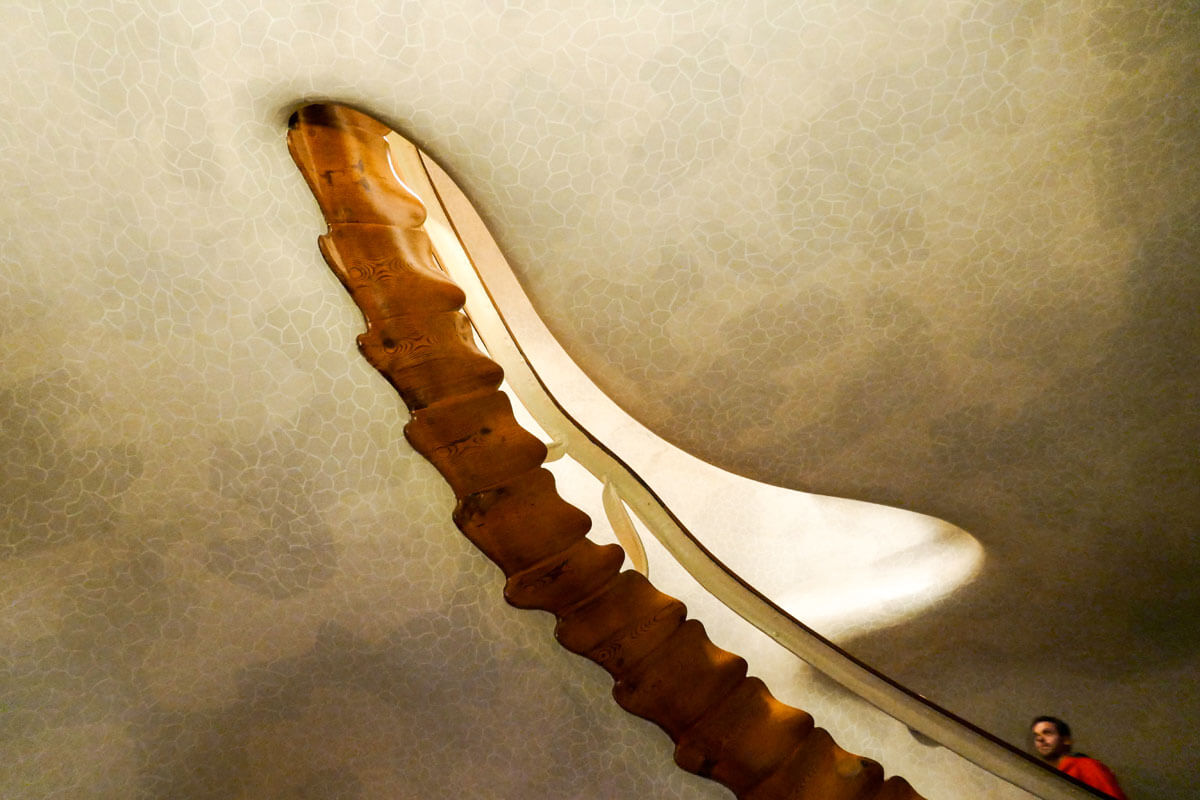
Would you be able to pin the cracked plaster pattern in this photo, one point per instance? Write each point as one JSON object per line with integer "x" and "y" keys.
{"x": 890, "y": 230}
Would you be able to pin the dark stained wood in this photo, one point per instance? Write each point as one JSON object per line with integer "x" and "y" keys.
{"x": 619, "y": 627}
{"x": 726, "y": 726}
{"x": 743, "y": 737}
{"x": 573, "y": 575}
{"x": 521, "y": 522}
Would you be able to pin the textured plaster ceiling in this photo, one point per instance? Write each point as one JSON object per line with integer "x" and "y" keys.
{"x": 941, "y": 255}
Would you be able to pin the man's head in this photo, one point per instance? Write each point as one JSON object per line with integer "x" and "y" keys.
{"x": 1051, "y": 738}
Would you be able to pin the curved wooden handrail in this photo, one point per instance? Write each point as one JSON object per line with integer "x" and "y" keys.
{"x": 493, "y": 294}
{"x": 726, "y": 725}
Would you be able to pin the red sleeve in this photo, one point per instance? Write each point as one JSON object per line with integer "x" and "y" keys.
{"x": 1094, "y": 774}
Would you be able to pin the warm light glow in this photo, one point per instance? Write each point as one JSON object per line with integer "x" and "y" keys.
{"x": 839, "y": 566}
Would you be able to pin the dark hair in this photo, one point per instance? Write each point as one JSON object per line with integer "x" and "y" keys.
{"x": 1064, "y": 730}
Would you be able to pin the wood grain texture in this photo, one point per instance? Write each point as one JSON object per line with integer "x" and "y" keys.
{"x": 726, "y": 725}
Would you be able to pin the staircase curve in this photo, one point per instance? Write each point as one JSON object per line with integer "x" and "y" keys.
{"x": 726, "y": 725}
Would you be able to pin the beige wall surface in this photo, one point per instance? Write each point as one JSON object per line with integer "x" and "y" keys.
{"x": 936, "y": 254}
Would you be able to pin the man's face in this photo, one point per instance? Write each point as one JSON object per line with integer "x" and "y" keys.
{"x": 1048, "y": 743}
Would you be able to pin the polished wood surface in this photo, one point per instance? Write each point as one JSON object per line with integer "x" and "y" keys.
{"x": 726, "y": 724}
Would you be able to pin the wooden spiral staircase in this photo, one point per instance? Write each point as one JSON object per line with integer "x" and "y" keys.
{"x": 726, "y": 725}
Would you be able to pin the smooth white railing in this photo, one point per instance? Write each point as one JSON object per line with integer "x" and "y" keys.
{"x": 467, "y": 252}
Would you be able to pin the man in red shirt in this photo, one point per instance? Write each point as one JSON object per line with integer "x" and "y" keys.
{"x": 1052, "y": 740}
